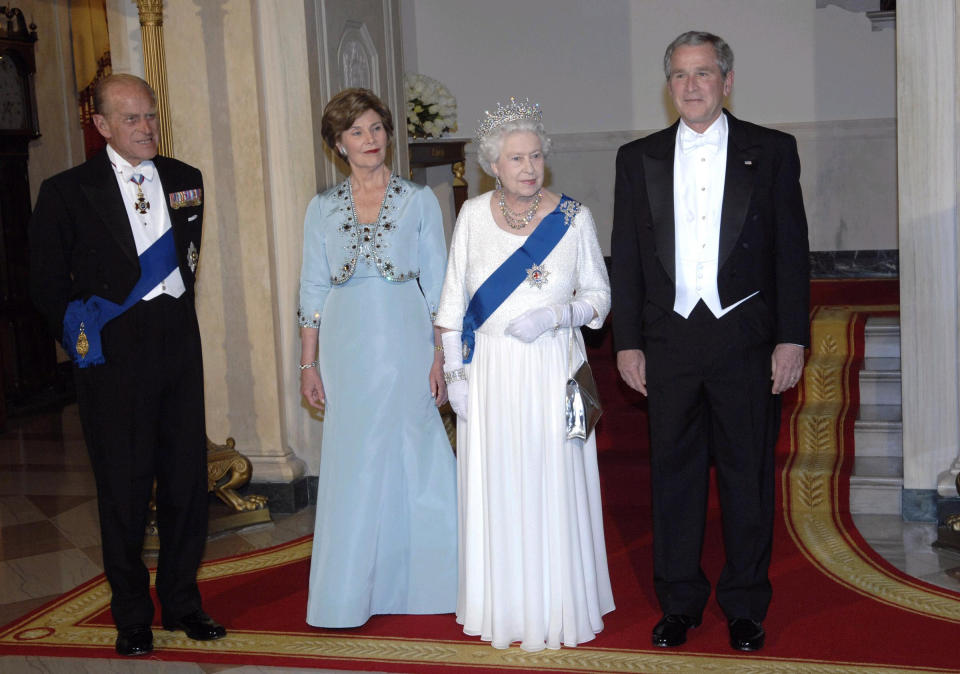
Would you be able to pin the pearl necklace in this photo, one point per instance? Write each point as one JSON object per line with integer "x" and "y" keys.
{"x": 520, "y": 220}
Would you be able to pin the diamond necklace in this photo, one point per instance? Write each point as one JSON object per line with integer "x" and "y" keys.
{"x": 522, "y": 219}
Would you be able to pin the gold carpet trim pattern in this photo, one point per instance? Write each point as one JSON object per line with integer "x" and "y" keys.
{"x": 56, "y": 628}
{"x": 811, "y": 481}
{"x": 810, "y": 487}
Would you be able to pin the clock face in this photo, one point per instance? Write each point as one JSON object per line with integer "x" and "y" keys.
{"x": 13, "y": 100}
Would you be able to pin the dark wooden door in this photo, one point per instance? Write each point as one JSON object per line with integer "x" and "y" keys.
{"x": 27, "y": 351}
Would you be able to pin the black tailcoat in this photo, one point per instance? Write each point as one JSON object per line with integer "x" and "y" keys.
{"x": 708, "y": 379}
{"x": 142, "y": 411}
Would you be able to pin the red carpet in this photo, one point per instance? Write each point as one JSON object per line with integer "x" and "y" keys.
{"x": 837, "y": 606}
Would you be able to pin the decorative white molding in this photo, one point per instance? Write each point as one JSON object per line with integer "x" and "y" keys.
{"x": 928, "y": 79}
{"x": 357, "y": 58}
{"x": 849, "y": 178}
{"x": 357, "y": 28}
{"x": 276, "y": 465}
{"x": 879, "y": 20}
{"x": 883, "y": 20}
{"x": 855, "y": 6}
{"x": 845, "y": 129}
{"x": 285, "y": 127}
{"x": 321, "y": 89}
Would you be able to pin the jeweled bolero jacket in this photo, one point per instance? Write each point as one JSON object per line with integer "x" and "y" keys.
{"x": 405, "y": 244}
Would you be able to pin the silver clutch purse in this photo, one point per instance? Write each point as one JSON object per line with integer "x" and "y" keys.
{"x": 582, "y": 402}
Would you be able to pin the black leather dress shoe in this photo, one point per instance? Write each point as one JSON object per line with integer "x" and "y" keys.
{"x": 198, "y": 626}
{"x": 134, "y": 640}
{"x": 746, "y": 634}
{"x": 672, "y": 629}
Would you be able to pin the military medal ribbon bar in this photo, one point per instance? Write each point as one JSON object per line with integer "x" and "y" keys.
{"x": 186, "y": 198}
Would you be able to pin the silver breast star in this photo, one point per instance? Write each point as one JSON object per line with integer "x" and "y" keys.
{"x": 537, "y": 276}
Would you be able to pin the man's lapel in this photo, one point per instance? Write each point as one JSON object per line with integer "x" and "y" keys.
{"x": 174, "y": 181}
{"x": 658, "y": 173}
{"x": 743, "y": 156}
{"x": 101, "y": 189}
{"x": 170, "y": 183}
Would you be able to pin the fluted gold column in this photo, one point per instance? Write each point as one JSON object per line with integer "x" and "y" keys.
{"x": 155, "y": 65}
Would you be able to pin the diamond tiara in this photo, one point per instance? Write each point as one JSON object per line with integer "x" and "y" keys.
{"x": 516, "y": 110}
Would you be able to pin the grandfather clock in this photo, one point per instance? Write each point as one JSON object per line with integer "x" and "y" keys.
{"x": 27, "y": 353}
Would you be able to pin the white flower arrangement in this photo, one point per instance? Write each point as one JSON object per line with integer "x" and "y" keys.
{"x": 431, "y": 108}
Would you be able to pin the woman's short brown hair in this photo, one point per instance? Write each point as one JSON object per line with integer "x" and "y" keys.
{"x": 344, "y": 108}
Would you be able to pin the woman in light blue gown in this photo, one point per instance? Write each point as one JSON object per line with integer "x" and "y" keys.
{"x": 385, "y": 538}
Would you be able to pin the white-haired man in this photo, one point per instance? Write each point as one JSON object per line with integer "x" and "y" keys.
{"x": 113, "y": 271}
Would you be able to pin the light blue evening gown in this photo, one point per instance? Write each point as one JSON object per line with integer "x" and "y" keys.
{"x": 385, "y": 538}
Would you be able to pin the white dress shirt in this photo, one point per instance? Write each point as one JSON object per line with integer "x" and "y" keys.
{"x": 150, "y": 226}
{"x": 699, "y": 171}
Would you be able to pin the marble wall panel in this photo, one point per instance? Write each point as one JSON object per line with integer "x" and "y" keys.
{"x": 848, "y": 176}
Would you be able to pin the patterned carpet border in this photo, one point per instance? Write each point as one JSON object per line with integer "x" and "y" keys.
{"x": 814, "y": 484}
{"x": 816, "y": 479}
{"x": 56, "y": 628}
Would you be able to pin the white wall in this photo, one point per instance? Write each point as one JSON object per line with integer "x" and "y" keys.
{"x": 848, "y": 177}
{"x": 596, "y": 68}
{"x": 126, "y": 50}
{"x": 60, "y": 144}
{"x": 596, "y": 65}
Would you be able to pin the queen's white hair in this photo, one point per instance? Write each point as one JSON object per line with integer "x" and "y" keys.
{"x": 489, "y": 146}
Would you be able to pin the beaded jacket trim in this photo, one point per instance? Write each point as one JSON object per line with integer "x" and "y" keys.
{"x": 370, "y": 241}
{"x": 305, "y": 321}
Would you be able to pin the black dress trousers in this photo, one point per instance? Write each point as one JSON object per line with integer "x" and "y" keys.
{"x": 709, "y": 385}
{"x": 143, "y": 419}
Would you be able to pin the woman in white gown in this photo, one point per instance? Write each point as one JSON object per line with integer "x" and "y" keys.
{"x": 524, "y": 272}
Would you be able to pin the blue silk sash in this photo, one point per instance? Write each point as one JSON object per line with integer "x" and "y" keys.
{"x": 83, "y": 320}
{"x": 514, "y": 270}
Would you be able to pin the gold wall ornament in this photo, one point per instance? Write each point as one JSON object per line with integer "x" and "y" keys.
{"x": 458, "y": 169}
{"x": 227, "y": 471}
{"x": 154, "y": 65}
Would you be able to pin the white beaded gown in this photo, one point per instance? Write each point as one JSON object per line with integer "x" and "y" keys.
{"x": 532, "y": 561}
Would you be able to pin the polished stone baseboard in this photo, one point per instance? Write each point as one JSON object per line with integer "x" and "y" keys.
{"x": 286, "y": 497}
{"x": 854, "y": 263}
{"x": 847, "y": 263}
{"x": 919, "y": 505}
{"x": 849, "y": 179}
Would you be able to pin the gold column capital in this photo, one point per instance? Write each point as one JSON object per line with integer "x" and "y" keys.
{"x": 154, "y": 65}
{"x": 151, "y": 12}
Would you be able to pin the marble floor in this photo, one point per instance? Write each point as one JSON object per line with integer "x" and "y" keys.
{"x": 49, "y": 537}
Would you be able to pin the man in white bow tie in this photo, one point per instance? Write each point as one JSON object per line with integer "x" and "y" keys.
{"x": 113, "y": 254}
{"x": 710, "y": 302}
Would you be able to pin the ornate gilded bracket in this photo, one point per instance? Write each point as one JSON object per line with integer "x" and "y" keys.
{"x": 227, "y": 471}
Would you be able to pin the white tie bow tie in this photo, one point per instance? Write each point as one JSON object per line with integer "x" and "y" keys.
{"x": 691, "y": 140}
{"x": 145, "y": 169}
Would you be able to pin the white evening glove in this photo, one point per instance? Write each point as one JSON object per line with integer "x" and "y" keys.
{"x": 453, "y": 372}
{"x": 530, "y": 325}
